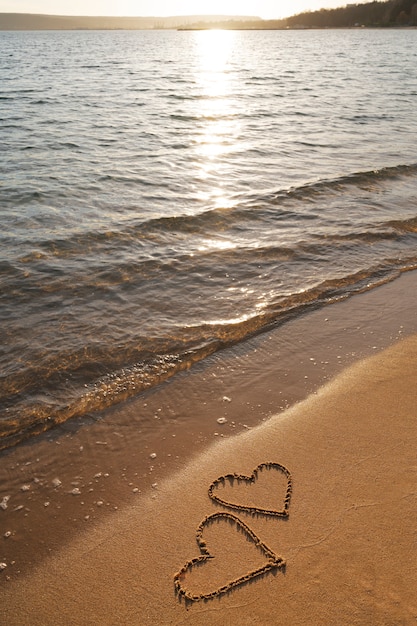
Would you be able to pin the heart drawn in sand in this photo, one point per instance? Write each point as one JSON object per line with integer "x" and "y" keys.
{"x": 249, "y": 481}
{"x": 273, "y": 561}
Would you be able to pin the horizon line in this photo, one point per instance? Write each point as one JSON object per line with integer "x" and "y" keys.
{"x": 219, "y": 15}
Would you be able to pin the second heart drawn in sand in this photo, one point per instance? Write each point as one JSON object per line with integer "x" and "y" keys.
{"x": 263, "y": 562}
{"x": 229, "y": 489}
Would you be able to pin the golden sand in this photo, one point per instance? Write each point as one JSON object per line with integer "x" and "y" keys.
{"x": 307, "y": 519}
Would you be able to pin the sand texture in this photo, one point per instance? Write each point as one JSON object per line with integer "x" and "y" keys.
{"x": 307, "y": 519}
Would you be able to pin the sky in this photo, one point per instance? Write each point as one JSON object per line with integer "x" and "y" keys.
{"x": 266, "y": 9}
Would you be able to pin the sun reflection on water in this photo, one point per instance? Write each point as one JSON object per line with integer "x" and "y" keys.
{"x": 215, "y": 139}
{"x": 216, "y": 244}
{"x": 214, "y": 47}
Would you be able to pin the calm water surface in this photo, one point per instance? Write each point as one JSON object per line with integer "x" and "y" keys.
{"x": 164, "y": 194}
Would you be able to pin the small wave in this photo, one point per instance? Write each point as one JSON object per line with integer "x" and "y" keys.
{"x": 357, "y": 179}
{"x": 260, "y": 211}
{"x": 368, "y": 236}
{"x": 192, "y": 97}
{"x": 58, "y": 145}
{"x": 14, "y": 196}
{"x": 14, "y": 126}
{"x": 120, "y": 178}
{"x": 18, "y": 92}
{"x": 184, "y": 118}
{"x": 406, "y": 226}
{"x": 304, "y": 114}
{"x": 364, "y": 119}
{"x": 36, "y": 412}
{"x": 385, "y": 173}
{"x": 41, "y": 101}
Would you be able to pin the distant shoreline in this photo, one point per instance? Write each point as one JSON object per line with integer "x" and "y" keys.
{"x": 208, "y": 28}
{"x": 396, "y": 27}
{"x": 388, "y": 14}
{"x": 32, "y": 21}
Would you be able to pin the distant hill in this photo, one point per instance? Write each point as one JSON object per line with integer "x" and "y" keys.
{"x": 370, "y": 14}
{"x": 31, "y": 21}
{"x": 386, "y": 13}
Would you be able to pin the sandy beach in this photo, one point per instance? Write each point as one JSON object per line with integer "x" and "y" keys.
{"x": 345, "y": 528}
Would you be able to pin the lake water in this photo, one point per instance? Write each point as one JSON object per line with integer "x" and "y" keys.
{"x": 165, "y": 194}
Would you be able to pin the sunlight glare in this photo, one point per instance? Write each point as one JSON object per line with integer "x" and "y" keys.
{"x": 214, "y": 47}
{"x": 215, "y": 137}
{"x": 217, "y": 244}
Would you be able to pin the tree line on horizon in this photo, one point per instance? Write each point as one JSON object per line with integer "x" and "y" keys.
{"x": 371, "y": 14}
{"x": 385, "y": 13}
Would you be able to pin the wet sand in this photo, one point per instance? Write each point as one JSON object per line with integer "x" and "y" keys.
{"x": 106, "y": 468}
{"x": 347, "y": 533}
